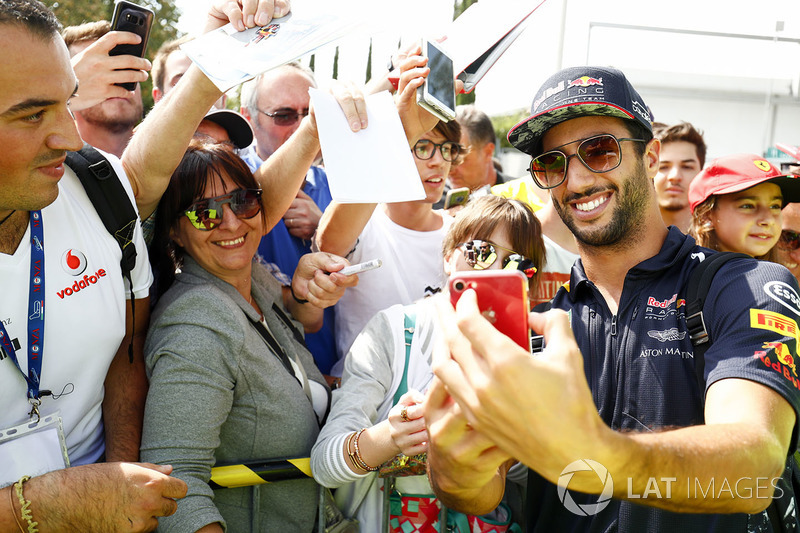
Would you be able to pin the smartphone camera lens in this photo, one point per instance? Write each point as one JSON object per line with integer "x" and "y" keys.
{"x": 459, "y": 286}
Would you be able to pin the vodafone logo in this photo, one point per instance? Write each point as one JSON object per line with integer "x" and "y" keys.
{"x": 73, "y": 262}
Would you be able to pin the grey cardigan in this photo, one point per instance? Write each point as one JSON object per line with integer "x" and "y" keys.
{"x": 219, "y": 394}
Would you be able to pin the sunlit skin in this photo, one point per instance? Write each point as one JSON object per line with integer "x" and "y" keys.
{"x": 791, "y": 222}
{"x": 433, "y": 172}
{"x": 601, "y": 209}
{"x": 748, "y": 221}
{"x": 473, "y": 171}
{"x": 36, "y": 128}
{"x": 116, "y": 114}
{"x": 285, "y": 89}
{"x": 227, "y": 250}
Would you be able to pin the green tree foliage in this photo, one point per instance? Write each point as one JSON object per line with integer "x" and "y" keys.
{"x": 75, "y": 12}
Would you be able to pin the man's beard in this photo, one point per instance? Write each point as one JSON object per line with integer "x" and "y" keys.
{"x": 673, "y": 205}
{"x": 119, "y": 123}
{"x": 626, "y": 219}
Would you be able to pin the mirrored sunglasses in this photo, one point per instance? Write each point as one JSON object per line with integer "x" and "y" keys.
{"x": 789, "y": 240}
{"x": 600, "y": 153}
{"x": 424, "y": 149}
{"x": 206, "y": 214}
{"x": 480, "y": 255}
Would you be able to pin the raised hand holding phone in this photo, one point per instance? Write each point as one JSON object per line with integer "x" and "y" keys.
{"x": 134, "y": 19}
{"x": 438, "y": 93}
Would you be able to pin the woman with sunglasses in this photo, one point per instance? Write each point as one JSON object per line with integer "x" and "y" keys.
{"x": 366, "y": 427}
{"x": 736, "y": 205}
{"x": 230, "y": 378}
{"x": 405, "y": 236}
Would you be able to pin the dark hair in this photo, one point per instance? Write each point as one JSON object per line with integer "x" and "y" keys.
{"x": 682, "y": 132}
{"x": 202, "y": 163}
{"x": 30, "y": 14}
{"x": 481, "y": 217}
{"x": 477, "y": 124}
{"x": 637, "y": 130}
{"x": 451, "y": 131}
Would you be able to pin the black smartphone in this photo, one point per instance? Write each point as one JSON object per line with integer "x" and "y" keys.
{"x": 438, "y": 93}
{"x": 135, "y": 19}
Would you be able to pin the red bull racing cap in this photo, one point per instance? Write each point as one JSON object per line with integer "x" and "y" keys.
{"x": 734, "y": 173}
{"x": 577, "y": 92}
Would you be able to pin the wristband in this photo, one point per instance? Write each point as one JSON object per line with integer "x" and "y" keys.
{"x": 25, "y": 510}
{"x": 296, "y": 299}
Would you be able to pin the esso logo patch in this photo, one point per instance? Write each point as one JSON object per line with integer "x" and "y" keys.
{"x": 784, "y": 294}
{"x": 73, "y": 262}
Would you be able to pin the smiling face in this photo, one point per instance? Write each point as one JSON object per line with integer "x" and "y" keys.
{"x": 602, "y": 209}
{"x": 226, "y": 251}
{"x": 433, "y": 172}
{"x": 748, "y": 221}
{"x": 36, "y": 128}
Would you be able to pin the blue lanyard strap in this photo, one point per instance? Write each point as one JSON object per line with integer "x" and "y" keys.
{"x": 35, "y": 316}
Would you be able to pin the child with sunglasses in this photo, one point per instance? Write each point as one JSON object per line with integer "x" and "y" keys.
{"x": 366, "y": 427}
{"x": 736, "y": 205}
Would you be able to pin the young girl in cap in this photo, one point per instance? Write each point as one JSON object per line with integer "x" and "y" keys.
{"x": 736, "y": 205}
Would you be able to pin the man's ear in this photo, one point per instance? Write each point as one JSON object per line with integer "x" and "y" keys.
{"x": 157, "y": 94}
{"x": 652, "y": 155}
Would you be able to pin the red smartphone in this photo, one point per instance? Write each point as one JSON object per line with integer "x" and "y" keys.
{"x": 502, "y": 299}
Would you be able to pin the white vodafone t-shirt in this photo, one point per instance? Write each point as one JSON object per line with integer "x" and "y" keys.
{"x": 84, "y": 320}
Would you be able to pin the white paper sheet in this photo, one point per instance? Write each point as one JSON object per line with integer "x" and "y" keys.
{"x": 373, "y": 165}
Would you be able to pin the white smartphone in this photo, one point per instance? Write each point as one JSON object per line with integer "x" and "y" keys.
{"x": 438, "y": 93}
{"x": 361, "y": 267}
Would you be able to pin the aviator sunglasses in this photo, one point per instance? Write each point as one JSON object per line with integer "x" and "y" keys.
{"x": 600, "y": 153}
{"x": 285, "y": 117}
{"x": 789, "y": 240}
{"x": 206, "y": 214}
{"x": 480, "y": 255}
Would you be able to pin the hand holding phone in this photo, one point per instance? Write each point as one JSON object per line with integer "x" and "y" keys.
{"x": 438, "y": 93}
{"x": 135, "y": 19}
{"x": 456, "y": 197}
{"x": 502, "y": 299}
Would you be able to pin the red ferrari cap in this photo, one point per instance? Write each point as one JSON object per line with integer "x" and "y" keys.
{"x": 734, "y": 173}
